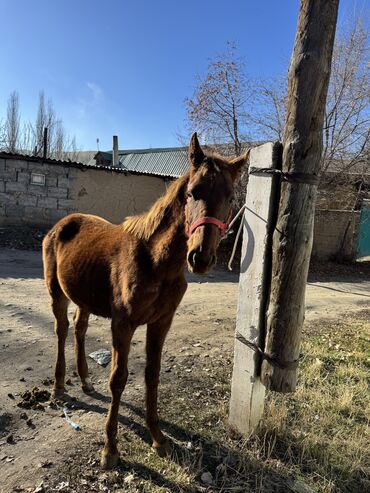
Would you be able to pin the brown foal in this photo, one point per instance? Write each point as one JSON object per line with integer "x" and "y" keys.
{"x": 133, "y": 273}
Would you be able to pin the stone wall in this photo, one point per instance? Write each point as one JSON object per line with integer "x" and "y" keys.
{"x": 22, "y": 202}
{"x": 335, "y": 235}
{"x": 70, "y": 188}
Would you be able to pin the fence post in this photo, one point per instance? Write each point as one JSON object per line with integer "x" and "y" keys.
{"x": 247, "y": 391}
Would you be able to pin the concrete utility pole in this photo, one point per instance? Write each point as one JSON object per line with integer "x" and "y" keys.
{"x": 247, "y": 391}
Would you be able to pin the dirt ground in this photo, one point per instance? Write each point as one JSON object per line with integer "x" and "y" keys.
{"x": 37, "y": 446}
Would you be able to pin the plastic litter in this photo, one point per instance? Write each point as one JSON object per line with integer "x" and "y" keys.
{"x": 74, "y": 425}
{"x": 101, "y": 356}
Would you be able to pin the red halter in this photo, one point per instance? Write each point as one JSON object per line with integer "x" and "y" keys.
{"x": 223, "y": 227}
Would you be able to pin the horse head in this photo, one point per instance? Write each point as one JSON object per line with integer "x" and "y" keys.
{"x": 209, "y": 197}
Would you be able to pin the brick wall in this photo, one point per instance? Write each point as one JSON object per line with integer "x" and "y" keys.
{"x": 22, "y": 202}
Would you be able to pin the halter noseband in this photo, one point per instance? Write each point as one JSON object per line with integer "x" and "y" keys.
{"x": 222, "y": 226}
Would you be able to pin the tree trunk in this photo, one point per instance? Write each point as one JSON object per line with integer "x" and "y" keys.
{"x": 302, "y": 148}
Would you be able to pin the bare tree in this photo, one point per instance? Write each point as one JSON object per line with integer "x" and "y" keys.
{"x": 269, "y": 108}
{"x": 12, "y": 123}
{"x": 217, "y": 109}
{"x": 59, "y": 141}
{"x": 29, "y": 138}
{"x": 2, "y": 135}
{"x": 74, "y": 154}
{"x": 347, "y": 119}
{"x": 46, "y": 118}
{"x": 26, "y": 138}
{"x": 59, "y": 144}
{"x": 229, "y": 107}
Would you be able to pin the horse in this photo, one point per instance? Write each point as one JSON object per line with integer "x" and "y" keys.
{"x": 133, "y": 274}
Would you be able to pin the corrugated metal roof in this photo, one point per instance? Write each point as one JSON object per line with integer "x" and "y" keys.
{"x": 38, "y": 159}
{"x": 170, "y": 162}
{"x": 167, "y": 162}
{"x": 72, "y": 164}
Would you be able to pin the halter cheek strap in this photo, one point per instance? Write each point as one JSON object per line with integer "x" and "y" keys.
{"x": 222, "y": 226}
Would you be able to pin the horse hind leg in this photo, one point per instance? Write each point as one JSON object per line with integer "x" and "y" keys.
{"x": 59, "y": 305}
{"x": 81, "y": 320}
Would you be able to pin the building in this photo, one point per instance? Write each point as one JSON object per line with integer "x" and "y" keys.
{"x": 38, "y": 192}
{"x": 170, "y": 162}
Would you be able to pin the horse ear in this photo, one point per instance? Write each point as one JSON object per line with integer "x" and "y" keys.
{"x": 196, "y": 154}
{"x": 237, "y": 164}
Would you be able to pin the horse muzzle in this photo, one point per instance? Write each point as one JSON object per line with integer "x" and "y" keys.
{"x": 200, "y": 262}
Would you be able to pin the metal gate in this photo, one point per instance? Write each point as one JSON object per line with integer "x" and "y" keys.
{"x": 363, "y": 239}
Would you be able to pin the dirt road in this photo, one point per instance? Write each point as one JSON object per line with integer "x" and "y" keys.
{"x": 35, "y": 445}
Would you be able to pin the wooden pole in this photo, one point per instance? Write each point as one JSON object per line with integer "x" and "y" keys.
{"x": 302, "y": 147}
{"x": 247, "y": 392}
{"x": 45, "y": 143}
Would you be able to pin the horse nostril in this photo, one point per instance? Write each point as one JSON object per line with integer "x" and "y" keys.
{"x": 191, "y": 258}
{"x": 201, "y": 260}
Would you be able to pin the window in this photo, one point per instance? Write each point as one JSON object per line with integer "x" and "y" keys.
{"x": 37, "y": 179}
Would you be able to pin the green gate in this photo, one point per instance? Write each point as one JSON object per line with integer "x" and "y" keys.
{"x": 363, "y": 241}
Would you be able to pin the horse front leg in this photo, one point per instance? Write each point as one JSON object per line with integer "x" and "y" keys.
{"x": 156, "y": 335}
{"x": 81, "y": 321}
{"x": 122, "y": 334}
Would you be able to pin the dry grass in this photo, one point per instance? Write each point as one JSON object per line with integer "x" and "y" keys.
{"x": 313, "y": 440}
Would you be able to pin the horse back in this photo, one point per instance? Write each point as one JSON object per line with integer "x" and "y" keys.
{"x": 79, "y": 254}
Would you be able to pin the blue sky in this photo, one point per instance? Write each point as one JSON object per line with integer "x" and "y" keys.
{"x": 125, "y": 67}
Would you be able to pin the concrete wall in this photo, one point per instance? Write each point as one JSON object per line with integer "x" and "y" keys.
{"x": 115, "y": 195}
{"x": 335, "y": 235}
{"x": 70, "y": 188}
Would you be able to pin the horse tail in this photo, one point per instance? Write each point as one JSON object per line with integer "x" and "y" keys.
{"x": 49, "y": 260}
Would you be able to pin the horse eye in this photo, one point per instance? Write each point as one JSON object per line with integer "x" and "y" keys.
{"x": 195, "y": 193}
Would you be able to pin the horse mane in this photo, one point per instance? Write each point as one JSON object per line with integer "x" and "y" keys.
{"x": 145, "y": 225}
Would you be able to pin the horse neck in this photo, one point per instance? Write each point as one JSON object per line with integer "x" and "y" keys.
{"x": 162, "y": 230}
{"x": 169, "y": 244}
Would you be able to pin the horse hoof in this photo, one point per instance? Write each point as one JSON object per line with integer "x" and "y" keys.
{"x": 109, "y": 461}
{"x": 58, "y": 392}
{"x": 88, "y": 387}
{"x": 163, "y": 449}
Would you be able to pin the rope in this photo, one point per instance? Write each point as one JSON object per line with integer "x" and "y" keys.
{"x": 289, "y": 176}
{"x": 240, "y": 211}
{"x": 237, "y": 215}
{"x": 292, "y": 177}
